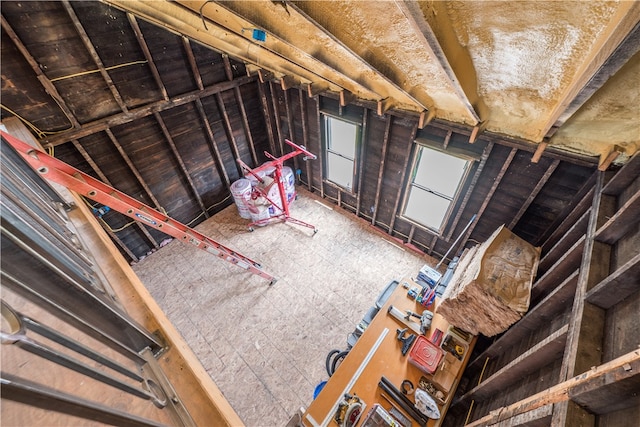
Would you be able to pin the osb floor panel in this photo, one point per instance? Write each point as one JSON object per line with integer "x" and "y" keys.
{"x": 265, "y": 347}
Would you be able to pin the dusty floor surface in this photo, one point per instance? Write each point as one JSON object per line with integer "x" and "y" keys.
{"x": 265, "y": 347}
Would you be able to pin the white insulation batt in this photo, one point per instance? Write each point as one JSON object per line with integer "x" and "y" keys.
{"x": 491, "y": 286}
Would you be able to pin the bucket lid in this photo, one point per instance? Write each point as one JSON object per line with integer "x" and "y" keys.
{"x": 426, "y": 354}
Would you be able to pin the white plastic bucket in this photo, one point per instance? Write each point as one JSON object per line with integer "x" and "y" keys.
{"x": 241, "y": 192}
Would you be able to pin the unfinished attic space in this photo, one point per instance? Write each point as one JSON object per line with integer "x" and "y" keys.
{"x": 320, "y": 213}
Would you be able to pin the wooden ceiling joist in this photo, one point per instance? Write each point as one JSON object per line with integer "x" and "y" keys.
{"x": 613, "y": 49}
{"x": 138, "y": 113}
{"x": 316, "y": 88}
{"x": 413, "y": 13}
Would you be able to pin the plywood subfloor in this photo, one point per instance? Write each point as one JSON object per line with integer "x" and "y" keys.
{"x": 265, "y": 347}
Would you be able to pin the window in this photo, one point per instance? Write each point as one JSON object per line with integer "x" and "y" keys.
{"x": 341, "y": 141}
{"x": 435, "y": 181}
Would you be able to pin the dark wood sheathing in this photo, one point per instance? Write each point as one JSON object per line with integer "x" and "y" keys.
{"x": 170, "y": 58}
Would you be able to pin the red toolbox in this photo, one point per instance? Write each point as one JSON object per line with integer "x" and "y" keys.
{"x": 425, "y": 355}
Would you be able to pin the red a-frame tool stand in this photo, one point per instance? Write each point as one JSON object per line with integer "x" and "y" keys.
{"x": 277, "y": 162}
{"x": 85, "y": 185}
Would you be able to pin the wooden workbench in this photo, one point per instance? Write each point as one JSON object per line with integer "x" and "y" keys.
{"x": 377, "y": 353}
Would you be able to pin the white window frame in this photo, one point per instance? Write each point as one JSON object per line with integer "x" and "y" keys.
{"x": 443, "y": 201}
{"x": 337, "y": 160}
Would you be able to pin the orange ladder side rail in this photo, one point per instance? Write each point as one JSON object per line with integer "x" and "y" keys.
{"x": 85, "y": 185}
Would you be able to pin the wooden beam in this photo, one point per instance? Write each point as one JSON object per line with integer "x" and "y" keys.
{"x": 245, "y": 124}
{"x": 265, "y": 76}
{"x": 317, "y": 88}
{"x": 570, "y": 212}
{"x": 624, "y": 177}
{"x": 410, "y": 237}
{"x": 385, "y": 105}
{"x": 571, "y": 364}
{"x": 229, "y": 131}
{"x": 227, "y": 66}
{"x": 138, "y": 113}
{"x": 563, "y": 246}
{"x": 538, "y": 153}
{"x": 606, "y": 160}
{"x": 276, "y": 112}
{"x": 133, "y": 169}
{"x": 267, "y": 117}
{"x": 618, "y": 286}
{"x": 622, "y": 222}
{"x": 94, "y": 55}
{"x": 541, "y": 182}
{"x": 467, "y": 196}
{"x": 361, "y": 157}
{"x": 535, "y": 318}
{"x": 346, "y": 97}
{"x": 44, "y": 81}
{"x": 433, "y": 244}
{"x": 147, "y": 54}
{"x": 403, "y": 174}
{"x": 290, "y": 123}
{"x": 103, "y": 178}
{"x": 477, "y": 130}
{"x": 217, "y": 157}
{"x": 305, "y": 136}
{"x": 618, "y": 48}
{"x": 447, "y": 139}
{"x": 426, "y": 118}
{"x": 561, "y": 392}
{"x": 320, "y": 151}
{"x": 287, "y": 82}
{"x": 383, "y": 156}
{"x": 487, "y": 199}
{"x": 465, "y": 86}
{"x": 183, "y": 167}
{"x": 539, "y": 355}
{"x": 192, "y": 62}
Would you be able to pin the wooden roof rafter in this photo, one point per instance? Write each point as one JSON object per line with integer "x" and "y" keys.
{"x": 94, "y": 55}
{"x": 94, "y": 166}
{"x": 147, "y": 54}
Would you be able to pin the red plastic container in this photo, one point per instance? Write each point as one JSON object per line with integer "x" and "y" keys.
{"x": 425, "y": 355}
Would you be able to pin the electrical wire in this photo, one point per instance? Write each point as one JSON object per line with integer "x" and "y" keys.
{"x": 208, "y": 209}
{"x": 113, "y": 67}
{"x": 34, "y": 128}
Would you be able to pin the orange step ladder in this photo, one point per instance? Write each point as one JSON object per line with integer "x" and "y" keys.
{"x": 57, "y": 171}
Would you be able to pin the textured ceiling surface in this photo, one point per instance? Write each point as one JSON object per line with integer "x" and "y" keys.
{"x": 561, "y": 72}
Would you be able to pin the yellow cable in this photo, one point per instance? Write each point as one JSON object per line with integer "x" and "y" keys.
{"x": 479, "y": 381}
{"x": 113, "y": 67}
